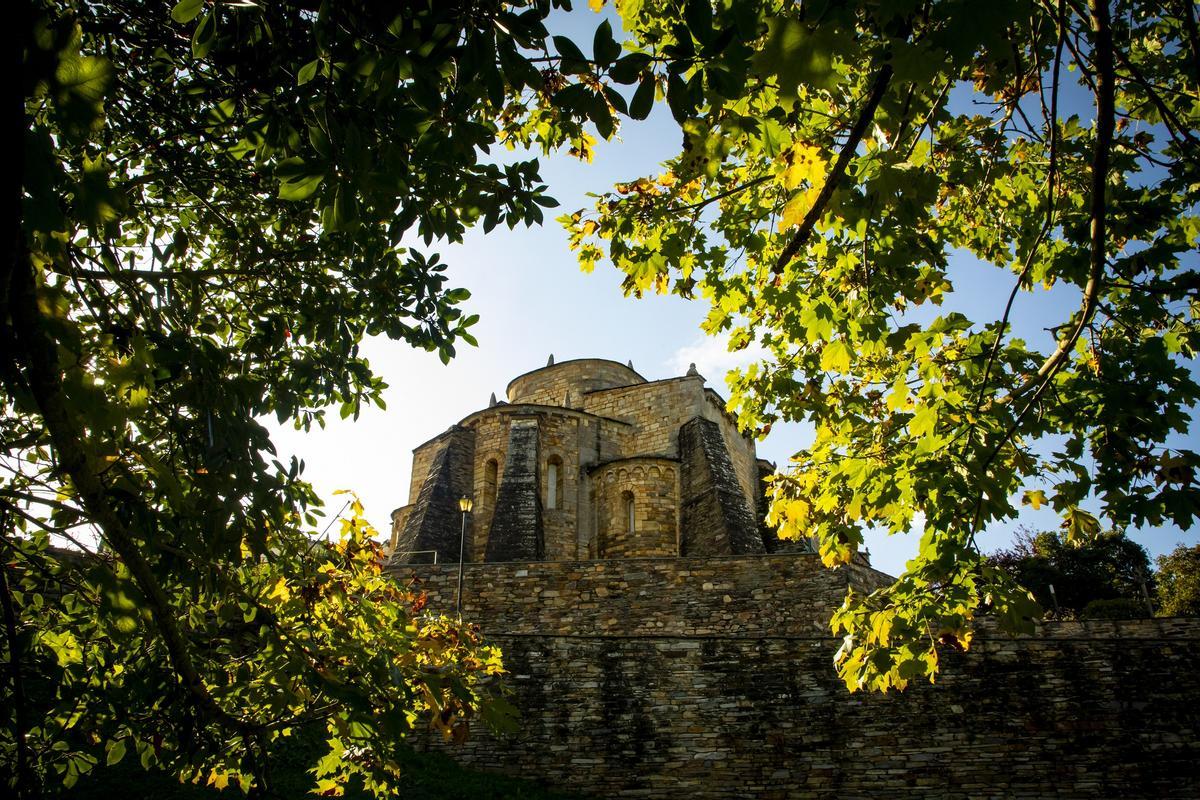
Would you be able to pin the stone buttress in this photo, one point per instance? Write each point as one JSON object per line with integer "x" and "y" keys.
{"x": 434, "y": 524}
{"x": 517, "y": 532}
{"x": 716, "y": 519}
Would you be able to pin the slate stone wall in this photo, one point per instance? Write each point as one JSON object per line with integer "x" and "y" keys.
{"x": 712, "y": 678}
{"x": 1104, "y": 712}
{"x": 786, "y": 594}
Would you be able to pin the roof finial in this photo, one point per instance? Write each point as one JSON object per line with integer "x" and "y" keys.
{"x": 692, "y": 372}
{"x": 492, "y": 401}
{"x": 629, "y": 363}
{"x": 550, "y": 361}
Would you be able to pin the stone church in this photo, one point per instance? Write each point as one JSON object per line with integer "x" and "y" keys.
{"x": 660, "y": 642}
{"x": 588, "y": 460}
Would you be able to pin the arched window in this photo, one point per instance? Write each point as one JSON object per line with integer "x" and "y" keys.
{"x": 554, "y": 482}
{"x": 490, "y": 471}
{"x": 627, "y": 503}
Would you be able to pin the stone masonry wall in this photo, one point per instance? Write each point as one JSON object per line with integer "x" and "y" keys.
{"x": 1102, "y": 712}
{"x": 787, "y": 594}
{"x": 655, "y": 409}
{"x": 712, "y": 678}
{"x": 564, "y": 384}
{"x": 652, "y": 484}
{"x": 560, "y": 438}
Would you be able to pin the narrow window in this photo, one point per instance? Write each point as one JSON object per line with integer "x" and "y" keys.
{"x": 628, "y": 499}
{"x": 489, "y": 482}
{"x": 554, "y": 482}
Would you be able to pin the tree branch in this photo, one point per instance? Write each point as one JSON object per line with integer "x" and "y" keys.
{"x": 878, "y": 87}
{"x": 1105, "y": 122}
{"x": 40, "y": 355}
{"x": 1051, "y": 179}
{"x": 26, "y": 785}
{"x": 1189, "y": 24}
{"x": 722, "y": 195}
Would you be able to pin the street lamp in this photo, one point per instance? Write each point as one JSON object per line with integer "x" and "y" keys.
{"x": 464, "y": 505}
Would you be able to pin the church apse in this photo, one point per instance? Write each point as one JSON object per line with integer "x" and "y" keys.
{"x": 586, "y": 460}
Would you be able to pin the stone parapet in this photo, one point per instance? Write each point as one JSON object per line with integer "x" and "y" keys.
{"x": 764, "y": 595}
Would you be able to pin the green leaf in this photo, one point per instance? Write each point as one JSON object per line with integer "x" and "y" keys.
{"x": 677, "y": 98}
{"x": 795, "y": 55}
{"x": 629, "y": 68}
{"x": 205, "y": 34}
{"x": 699, "y": 17}
{"x": 307, "y": 72}
{"x": 643, "y": 99}
{"x": 568, "y": 49}
{"x": 604, "y": 47}
{"x": 300, "y": 188}
{"x": 1080, "y": 526}
{"x": 186, "y": 10}
{"x": 116, "y": 751}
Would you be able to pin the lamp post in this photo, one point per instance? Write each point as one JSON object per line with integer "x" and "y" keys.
{"x": 464, "y": 505}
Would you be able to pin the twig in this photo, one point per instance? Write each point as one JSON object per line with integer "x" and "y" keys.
{"x": 1105, "y": 122}
{"x": 1105, "y": 119}
{"x": 1051, "y": 177}
{"x": 882, "y": 78}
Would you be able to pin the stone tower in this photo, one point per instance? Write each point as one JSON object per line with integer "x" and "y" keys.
{"x": 586, "y": 460}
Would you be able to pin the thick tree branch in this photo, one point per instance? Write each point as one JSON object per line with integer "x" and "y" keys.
{"x": 878, "y": 87}
{"x": 1187, "y": 12}
{"x": 39, "y": 353}
{"x": 26, "y": 785}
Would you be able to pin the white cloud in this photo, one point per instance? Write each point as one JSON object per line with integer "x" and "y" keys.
{"x": 712, "y": 358}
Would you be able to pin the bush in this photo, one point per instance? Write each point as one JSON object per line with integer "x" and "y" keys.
{"x": 1115, "y": 608}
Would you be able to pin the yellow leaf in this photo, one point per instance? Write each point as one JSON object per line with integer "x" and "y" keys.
{"x": 923, "y": 422}
{"x": 328, "y": 787}
{"x": 1035, "y": 498}
{"x": 804, "y": 163}
{"x": 836, "y": 357}
{"x": 797, "y": 208}
{"x": 596, "y": 5}
{"x": 281, "y": 591}
{"x": 899, "y": 397}
{"x": 218, "y": 779}
{"x": 793, "y": 519}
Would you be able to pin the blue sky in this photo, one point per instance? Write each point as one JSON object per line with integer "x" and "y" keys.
{"x": 533, "y": 301}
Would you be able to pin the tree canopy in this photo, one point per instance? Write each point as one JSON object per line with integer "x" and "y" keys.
{"x": 1107, "y": 575}
{"x": 214, "y": 203}
{"x": 1179, "y": 582}
{"x": 837, "y": 158}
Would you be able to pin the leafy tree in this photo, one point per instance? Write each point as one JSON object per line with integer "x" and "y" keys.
{"x": 1178, "y": 581}
{"x": 213, "y": 204}
{"x": 1086, "y": 576}
{"x": 836, "y": 157}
